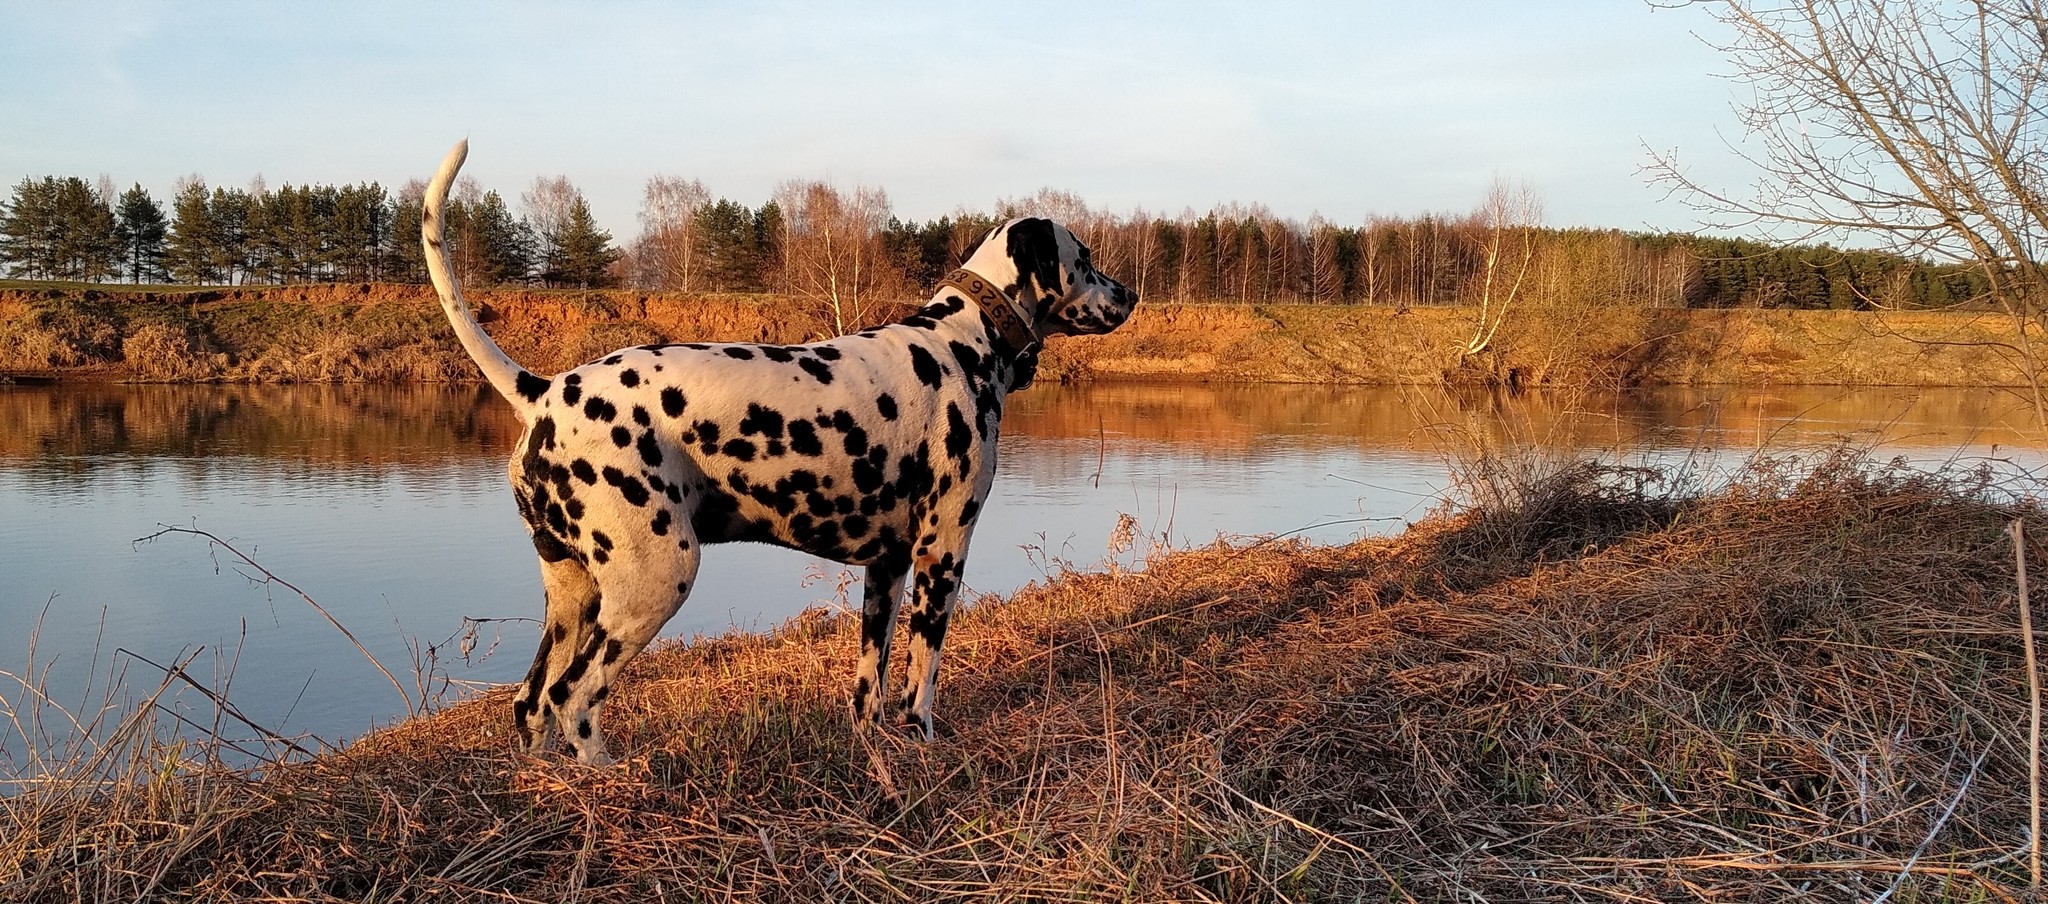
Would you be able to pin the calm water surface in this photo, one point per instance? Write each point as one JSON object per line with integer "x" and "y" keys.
{"x": 389, "y": 507}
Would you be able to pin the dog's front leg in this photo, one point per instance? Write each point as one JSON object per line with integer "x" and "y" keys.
{"x": 933, "y": 594}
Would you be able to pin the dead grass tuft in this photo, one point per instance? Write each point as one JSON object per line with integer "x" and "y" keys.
{"x": 1808, "y": 683}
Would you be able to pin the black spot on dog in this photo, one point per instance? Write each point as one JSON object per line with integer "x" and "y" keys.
{"x": 827, "y": 352}
{"x": 550, "y": 547}
{"x": 597, "y": 409}
{"x": 777, "y": 354}
{"x": 559, "y": 692}
{"x": 583, "y": 728}
{"x": 765, "y": 421}
{"x": 602, "y": 541}
{"x": 968, "y": 511}
{"x": 641, "y": 417}
{"x": 856, "y": 441}
{"x": 958, "y": 434}
{"x": 672, "y": 402}
{"x": 819, "y": 370}
{"x": 740, "y": 449}
{"x": 660, "y": 524}
{"x": 683, "y": 587}
{"x": 970, "y": 360}
{"x": 925, "y": 366}
{"x": 866, "y": 476}
{"x": 803, "y": 439}
{"x": 886, "y": 404}
{"x": 734, "y": 351}
{"x": 1035, "y": 249}
{"x": 612, "y": 359}
{"x": 629, "y": 486}
{"x": 575, "y": 508}
{"x": 600, "y": 556}
{"x": 629, "y": 378}
{"x": 583, "y": 471}
{"x": 612, "y": 648}
{"x": 650, "y": 451}
{"x": 530, "y": 387}
{"x": 622, "y": 437}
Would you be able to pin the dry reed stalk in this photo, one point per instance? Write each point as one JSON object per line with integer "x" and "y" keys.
{"x": 2026, "y": 605}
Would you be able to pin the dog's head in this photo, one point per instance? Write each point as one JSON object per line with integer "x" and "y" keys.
{"x": 1045, "y": 268}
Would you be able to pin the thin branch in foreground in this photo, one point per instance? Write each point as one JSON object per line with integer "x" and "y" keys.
{"x": 271, "y": 578}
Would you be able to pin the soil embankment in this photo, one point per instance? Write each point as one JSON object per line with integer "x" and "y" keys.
{"x": 395, "y": 333}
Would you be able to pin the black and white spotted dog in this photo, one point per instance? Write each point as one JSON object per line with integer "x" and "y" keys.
{"x": 875, "y": 449}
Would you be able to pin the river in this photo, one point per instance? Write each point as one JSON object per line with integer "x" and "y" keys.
{"x": 388, "y": 507}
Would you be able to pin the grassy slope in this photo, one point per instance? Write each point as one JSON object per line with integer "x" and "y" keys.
{"x": 1590, "y": 691}
{"x": 387, "y": 333}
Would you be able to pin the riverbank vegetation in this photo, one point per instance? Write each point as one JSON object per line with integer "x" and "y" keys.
{"x": 395, "y": 333}
{"x": 813, "y": 239}
{"x": 1807, "y": 681}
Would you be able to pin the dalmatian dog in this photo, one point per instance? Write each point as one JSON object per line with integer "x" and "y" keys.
{"x": 874, "y": 449}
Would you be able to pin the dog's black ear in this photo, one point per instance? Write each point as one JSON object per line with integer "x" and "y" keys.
{"x": 1035, "y": 250}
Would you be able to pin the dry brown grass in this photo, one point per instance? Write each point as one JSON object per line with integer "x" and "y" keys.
{"x": 1807, "y": 683}
{"x": 387, "y": 333}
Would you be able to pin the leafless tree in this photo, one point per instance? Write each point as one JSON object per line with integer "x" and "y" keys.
{"x": 1507, "y": 225}
{"x": 833, "y": 253}
{"x": 665, "y": 255}
{"x": 1918, "y": 125}
{"x": 1325, "y": 282}
{"x": 547, "y": 205}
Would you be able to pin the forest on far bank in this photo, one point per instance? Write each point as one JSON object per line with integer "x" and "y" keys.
{"x": 815, "y": 240}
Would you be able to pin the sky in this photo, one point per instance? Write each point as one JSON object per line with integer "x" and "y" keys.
{"x": 1344, "y": 109}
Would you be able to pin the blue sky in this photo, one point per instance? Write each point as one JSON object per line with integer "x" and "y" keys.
{"x": 1344, "y": 109}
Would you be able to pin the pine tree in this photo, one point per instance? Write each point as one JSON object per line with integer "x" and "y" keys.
{"x": 406, "y": 259}
{"x": 58, "y": 229}
{"x": 189, "y": 254}
{"x": 770, "y": 230}
{"x": 228, "y": 213}
{"x": 359, "y": 228}
{"x": 583, "y": 253}
{"x": 504, "y": 246}
{"x": 140, "y": 228}
{"x": 728, "y": 248}
{"x": 28, "y": 230}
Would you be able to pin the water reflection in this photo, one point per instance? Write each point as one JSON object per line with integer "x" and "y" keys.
{"x": 388, "y": 504}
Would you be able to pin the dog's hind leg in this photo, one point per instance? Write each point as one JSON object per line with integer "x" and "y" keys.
{"x": 645, "y": 581}
{"x": 881, "y": 593}
{"x": 570, "y": 592}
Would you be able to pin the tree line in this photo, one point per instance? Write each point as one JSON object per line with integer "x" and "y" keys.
{"x": 845, "y": 249}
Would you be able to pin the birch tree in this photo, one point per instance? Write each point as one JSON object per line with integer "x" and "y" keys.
{"x": 1916, "y": 125}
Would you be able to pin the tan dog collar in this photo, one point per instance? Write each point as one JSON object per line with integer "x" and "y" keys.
{"x": 1003, "y": 311}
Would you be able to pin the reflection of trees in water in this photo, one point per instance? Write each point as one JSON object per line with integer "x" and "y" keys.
{"x": 1237, "y": 419}
{"x": 84, "y": 429}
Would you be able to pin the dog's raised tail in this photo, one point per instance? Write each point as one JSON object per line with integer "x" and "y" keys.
{"x": 518, "y": 385}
